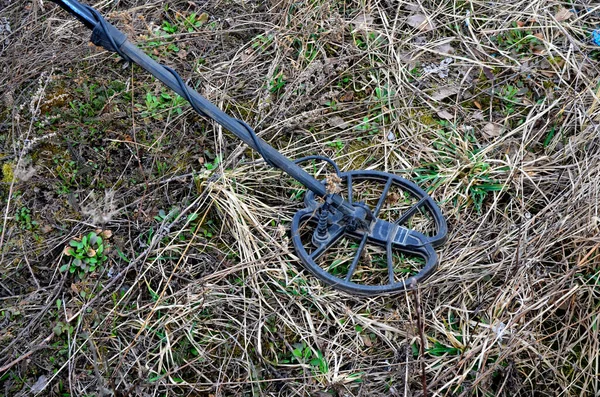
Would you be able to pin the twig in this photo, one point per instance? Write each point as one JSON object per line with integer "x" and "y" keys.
{"x": 419, "y": 311}
{"x": 43, "y": 345}
{"x": 31, "y": 271}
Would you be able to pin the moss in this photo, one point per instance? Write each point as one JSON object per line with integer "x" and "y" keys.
{"x": 8, "y": 172}
{"x": 45, "y": 153}
{"x": 427, "y": 119}
{"x": 361, "y": 153}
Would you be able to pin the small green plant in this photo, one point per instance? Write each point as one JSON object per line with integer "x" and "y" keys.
{"x": 549, "y": 136}
{"x": 509, "y": 94}
{"x": 338, "y": 145}
{"x": 209, "y": 230}
{"x": 307, "y": 50}
{"x": 332, "y": 104}
{"x": 303, "y": 354}
{"x": 215, "y": 164}
{"x": 161, "y": 168}
{"x": 163, "y": 216}
{"x": 440, "y": 349}
{"x": 383, "y": 94}
{"x": 262, "y": 42}
{"x": 367, "y": 126}
{"x": 169, "y": 28}
{"x": 460, "y": 163}
{"x": 517, "y": 39}
{"x": 67, "y": 171}
{"x": 63, "y": 328}
{"x": 195, "y": 21}
{"x": 277, "y": 83}
{"x": 23, "y": 219}
{"x": 85, "y": 255}
{"x": 154, "y": 106}
{"x": 364, "y": 41}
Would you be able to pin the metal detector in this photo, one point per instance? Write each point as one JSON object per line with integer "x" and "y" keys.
{"x": 341, "y": 214}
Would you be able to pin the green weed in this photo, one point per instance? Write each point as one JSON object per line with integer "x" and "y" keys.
{"x": 155, "y": 106}
{"x": 440, "y": 349}
{"x": 169, "y": 28}
{"x": 459, "y": 163}
{"x": 509, "y": 95}
{"x": 194, "y": 21}
{"x": 277, "y": 83}
{"x": 303, "y": 354}
{"x": 66, "y": 171}
{"x": 517, "y": 39}
{"x": 85, "y": 255}
{"x": 338, "y": 145}
{"x": 215, "y": 163}
{"x": 23, "y": 219}
{"x": 262, "y": 42}
{"x": 367, "y": 126}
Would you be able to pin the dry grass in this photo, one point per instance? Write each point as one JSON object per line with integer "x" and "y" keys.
{"x": 207, "y": 297}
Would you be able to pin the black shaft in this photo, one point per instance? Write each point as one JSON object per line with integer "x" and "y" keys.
{"x": 78, "y": 11}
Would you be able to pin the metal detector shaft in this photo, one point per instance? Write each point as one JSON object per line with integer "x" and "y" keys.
{"x": 124, "y": 47}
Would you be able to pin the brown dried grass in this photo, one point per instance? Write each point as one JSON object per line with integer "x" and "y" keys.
{"x": 513, "y": 307}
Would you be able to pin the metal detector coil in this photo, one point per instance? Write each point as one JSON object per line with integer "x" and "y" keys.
{"x": 371, "y": 233}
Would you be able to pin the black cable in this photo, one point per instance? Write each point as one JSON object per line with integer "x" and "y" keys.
{"x": 188, "y": 97}
{"x": 106, "y": 31}
{"x": 186, "y": 94}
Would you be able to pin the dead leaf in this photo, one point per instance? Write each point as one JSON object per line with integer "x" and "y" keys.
{"x": 39, "y": 385}
{"x": 392, "y": 198}
{"x": 478, "y": 115}
{"x": 47, "y": 229}
{"x": 538, "y": 51}
{"x": 444, "y": 92}
{"x": 68, "y": 251}
{"x": 105, "y": 234}
{"x": 444, "y": 114}
{"x": 336, "y": 122}
{"x": 411, "y": 7}
{"x": 347, "y": 97}
{"x": 420, "y": 22}
{"x": 203, "y": 18}
{"x": 362, "y": 22}
{"x": 445, "y": 48}
{"x": 492, "y": 130}
{"x": 477, "y": 104}
{"x": 520, "y": 24}
{"x": 563, "y": 14}
{"x": 488, "y": 73}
